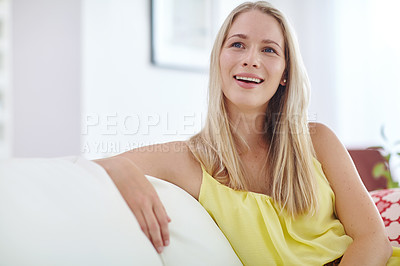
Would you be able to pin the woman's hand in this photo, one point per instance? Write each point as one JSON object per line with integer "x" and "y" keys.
{"x": 141, "y": 198}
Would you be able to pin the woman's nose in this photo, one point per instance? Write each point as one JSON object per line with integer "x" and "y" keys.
{"x": 251, "y": 59}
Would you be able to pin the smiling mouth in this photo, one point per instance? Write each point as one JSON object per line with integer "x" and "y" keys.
{"x": 249, "y": 80}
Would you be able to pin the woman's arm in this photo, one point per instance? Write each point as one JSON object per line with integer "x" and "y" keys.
{"x": 354, "y": 206}
{"x": 168, "y": 161}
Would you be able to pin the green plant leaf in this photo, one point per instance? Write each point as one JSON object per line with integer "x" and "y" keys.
{"x": 392, "y": 184}
{"x": 379, "y": 170}
{"x": 387, "y": 157}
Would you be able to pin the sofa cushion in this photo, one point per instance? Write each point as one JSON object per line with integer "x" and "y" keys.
{"x": 388, "y": 203}
{"x": 67, "y": 211}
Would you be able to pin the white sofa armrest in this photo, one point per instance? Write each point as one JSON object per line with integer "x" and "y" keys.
{"x": 67, "y": 211}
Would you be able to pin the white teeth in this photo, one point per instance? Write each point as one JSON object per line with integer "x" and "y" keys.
{"x": 248, "y": 79}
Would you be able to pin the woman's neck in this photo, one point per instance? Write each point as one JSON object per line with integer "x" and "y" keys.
{"x": 251, "y": 127}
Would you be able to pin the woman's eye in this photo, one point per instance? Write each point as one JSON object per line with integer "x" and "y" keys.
{"x": 237, "y": 45}
{"x": 269, "y": 50}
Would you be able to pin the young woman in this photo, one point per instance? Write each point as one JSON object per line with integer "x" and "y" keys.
{"x": 283, "y": 191}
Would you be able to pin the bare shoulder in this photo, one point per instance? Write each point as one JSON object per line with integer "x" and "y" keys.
{"x": 332, "y": 154}
{"x": 171, "y": 161}
{"x": 324, "y": 141}
{"x": 334, "y": 158}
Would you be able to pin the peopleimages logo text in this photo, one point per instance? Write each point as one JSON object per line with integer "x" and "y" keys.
{"x": 143, "y": 124}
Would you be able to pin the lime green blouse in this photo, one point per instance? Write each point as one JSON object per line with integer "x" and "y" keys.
{"x": 263, "y": 234}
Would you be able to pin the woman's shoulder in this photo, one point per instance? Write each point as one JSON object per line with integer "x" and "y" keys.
{"x": 318, "y": 130}
{"x": 324, "y": 140}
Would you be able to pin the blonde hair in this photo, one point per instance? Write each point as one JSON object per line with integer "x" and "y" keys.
{"x": 290, "y": 154}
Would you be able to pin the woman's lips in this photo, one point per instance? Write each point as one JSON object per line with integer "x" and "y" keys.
{"x": 246, "y": 85}
{"x": 247, "y": 80}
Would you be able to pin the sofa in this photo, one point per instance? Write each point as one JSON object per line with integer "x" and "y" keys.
{"x": 67, "y": 211}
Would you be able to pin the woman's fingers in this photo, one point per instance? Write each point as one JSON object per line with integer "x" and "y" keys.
{"x": 152, "y": 218}
{"x": 142, "y": 222}
{"x": 154, "y": 228}
{"x": 163, "y": 220}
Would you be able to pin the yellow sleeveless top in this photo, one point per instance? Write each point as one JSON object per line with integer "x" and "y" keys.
{"x": 262, "y": 234}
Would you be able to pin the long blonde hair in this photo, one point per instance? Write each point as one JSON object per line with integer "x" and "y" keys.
{"x": 290, "y": 154}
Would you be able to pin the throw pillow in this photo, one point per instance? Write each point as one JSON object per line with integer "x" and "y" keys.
{"x": 388, "y": 203}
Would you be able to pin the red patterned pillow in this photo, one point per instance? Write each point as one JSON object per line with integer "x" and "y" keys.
{"x": 388, "y": 203}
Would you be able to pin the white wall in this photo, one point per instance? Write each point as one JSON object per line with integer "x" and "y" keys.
{"x": 368, "y": 58}
{"x": 46, "y": 77}
{"x": 120, "y": 84}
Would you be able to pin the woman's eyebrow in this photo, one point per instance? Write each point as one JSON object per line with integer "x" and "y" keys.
{"x": 268, "y": 41}
{"x": 244, "y": 36}
{"x": 240, "y": 35}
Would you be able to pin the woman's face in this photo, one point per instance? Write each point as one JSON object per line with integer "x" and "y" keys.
{"x": 252, "y": 61}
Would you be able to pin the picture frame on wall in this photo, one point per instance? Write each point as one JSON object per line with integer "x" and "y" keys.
{"x": 182, "y": 33}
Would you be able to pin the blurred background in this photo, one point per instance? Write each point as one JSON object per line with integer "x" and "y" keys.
{"x": 99, "y": 77}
